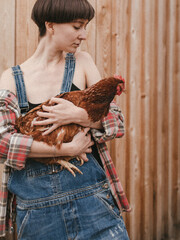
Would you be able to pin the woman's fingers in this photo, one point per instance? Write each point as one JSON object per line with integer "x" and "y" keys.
{"x": 49, "y": 118}
{"x": 59, "y": 113}
{"x": 44, "y": 122}
{"x": 45, "y": 114}
{"x": 51, "y": 129}
{"x": 89, "y": 150}
{"x": 83, "y": 156}
{"x": 60, "y": 103}
{"x": 51, "y": 110}
{"x": 86, "y": 130}
{"x": 47, "y": 108}
{"x": 56, "y": 100}
{"x": 91, "y": 143}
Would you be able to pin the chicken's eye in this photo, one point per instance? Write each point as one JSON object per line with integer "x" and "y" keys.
{"x": 120, "y": 88}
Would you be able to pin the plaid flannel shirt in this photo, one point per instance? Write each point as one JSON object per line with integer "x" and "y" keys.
{"x": 14, "y": 148}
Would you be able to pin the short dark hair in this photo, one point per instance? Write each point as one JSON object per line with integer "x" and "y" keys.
{"x": 60, "y": 11}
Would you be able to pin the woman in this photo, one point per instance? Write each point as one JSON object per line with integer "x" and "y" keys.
{"x": 50, "y": 203}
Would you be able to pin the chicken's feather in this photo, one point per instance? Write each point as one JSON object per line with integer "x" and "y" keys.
{"x": 95, "y": 100}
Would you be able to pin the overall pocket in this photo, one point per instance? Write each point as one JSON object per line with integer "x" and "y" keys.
{"x": 106, "y": 199}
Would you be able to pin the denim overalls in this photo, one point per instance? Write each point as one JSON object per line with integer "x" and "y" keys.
{"x": 54, "y": 205}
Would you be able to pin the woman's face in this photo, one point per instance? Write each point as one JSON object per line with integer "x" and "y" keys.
{"x": 68, "y": 36}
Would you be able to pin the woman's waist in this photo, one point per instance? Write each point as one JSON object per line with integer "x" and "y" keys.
{"x": 62, "y": 198}
{"x": 38, "y": 180}
{"x": 34, "y": 168}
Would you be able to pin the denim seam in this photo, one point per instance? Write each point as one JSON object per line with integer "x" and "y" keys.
{"x": 58, "y": 203}
{"x": 64, "y": 222}
{"x": 80, "y": 190}
{"x": 23, "y": 224}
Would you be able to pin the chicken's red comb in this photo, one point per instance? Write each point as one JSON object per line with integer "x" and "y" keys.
{"x": 119, "y": 77}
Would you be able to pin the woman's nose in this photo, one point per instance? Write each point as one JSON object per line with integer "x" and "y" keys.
{"x": 83, "y": 34}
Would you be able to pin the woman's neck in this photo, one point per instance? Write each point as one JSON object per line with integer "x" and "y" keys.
{"x": 46, "y": 54}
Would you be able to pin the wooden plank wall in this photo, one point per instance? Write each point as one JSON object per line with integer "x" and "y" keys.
{"x": 141, "y": 40}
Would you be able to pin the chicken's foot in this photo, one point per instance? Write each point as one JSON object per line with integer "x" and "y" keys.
{"x": 80, "y": 160}
{"x": 69, "y": 166}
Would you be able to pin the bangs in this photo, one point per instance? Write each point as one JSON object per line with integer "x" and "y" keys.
{"x": 60, "y": 11}
{"x": 72, "y": 10}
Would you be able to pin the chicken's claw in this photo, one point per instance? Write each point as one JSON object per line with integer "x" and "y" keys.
{"x": 81, "y": 160}
{"x": 69, "y": 166}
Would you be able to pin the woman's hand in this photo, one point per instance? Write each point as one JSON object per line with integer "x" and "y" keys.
{"x": 78, "y": 147}
{"x": 64, "y": 112}
{"x": 81, "y": 144}
{"x": 60, "y": 114}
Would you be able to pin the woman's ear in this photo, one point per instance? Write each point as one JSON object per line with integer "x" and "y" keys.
{"x": 50, "y": 27}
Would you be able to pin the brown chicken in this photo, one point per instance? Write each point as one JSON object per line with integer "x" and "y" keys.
{"x": 95, "y": 100}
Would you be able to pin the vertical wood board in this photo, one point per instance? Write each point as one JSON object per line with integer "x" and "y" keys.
{"x": 139, "y": 40}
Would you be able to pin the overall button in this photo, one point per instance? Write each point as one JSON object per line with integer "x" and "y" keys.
{"x": 53, "y": 169}
{"x": 108, "y": 196}
{"x": 106, "y": 186}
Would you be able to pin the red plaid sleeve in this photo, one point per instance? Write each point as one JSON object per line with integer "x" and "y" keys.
{"x": 113, "y": 125}
{"x": 14, "y": 147}
{"x": 19, "y": 148}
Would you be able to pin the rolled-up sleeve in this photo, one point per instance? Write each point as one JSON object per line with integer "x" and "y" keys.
{"x": 19, "y": 148}
{"x": 113, "y": 125}
{"x": 14, "y": 147}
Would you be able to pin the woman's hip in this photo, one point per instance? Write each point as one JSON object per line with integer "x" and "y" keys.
{"x": 38, "y": 180}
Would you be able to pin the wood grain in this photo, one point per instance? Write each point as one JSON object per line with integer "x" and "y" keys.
{"x": 103, "y": 41}
{"x": 26, "y": 31}
{"x": 7, "y": 26}
{"x": 140, "y": 40}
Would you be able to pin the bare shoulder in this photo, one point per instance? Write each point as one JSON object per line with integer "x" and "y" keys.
{"x": 82, "y": 55}
{"x": 84, "y": 59}
{"x": 91, "y": 72}
{"x": 7, "y": 81}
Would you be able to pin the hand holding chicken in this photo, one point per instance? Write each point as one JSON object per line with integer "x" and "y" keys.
{"x": 95, "y": 100}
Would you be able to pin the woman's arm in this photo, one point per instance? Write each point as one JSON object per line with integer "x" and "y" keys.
{"x": 80, "y": 144}
{"x": 16, "y": 147}
{"x": 7, "y": 81}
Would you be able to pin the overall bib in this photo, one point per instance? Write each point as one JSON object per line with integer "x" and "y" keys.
{"x": 54, "y": 205}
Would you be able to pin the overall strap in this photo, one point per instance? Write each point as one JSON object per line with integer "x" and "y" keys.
{"x": 20, "y": 88}
{"x": 68, "y": 72}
